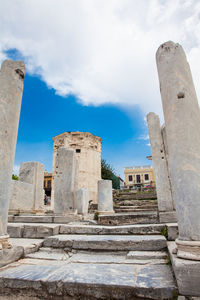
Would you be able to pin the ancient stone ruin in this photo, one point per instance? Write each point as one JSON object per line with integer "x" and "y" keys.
{"x": 130, "y": 247}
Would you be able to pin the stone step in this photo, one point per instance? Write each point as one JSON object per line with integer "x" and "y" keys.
{"x": 147, "y": 255}
{"x": 136, "y": 207}
{"x": 135, "y": 202}
{"x": 50, "y": 279}
{"x": 129, "y": 218}
{"x": 119, "y": 257}
{"x": 107, "y": 242}
{"x": 44, "y": 218}
{"x": 119, "y": 210}
{"x": 138, "y": 229}
{"x": 32, "y": 230}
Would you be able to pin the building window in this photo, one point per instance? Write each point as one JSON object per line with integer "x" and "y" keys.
{"x": 146, "y": 176}
{"x": 138, "y": 180}
{"x": 130, "y": 178}
{"x": 78, "y": 150}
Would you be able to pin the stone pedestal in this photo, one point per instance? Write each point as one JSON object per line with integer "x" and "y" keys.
{"x": 33, "y": 173}
{"x": 163, "y": 186}
{"x": 64, "y": 180}
{"x": 81, "y": 201}
{"x": 105, "y": 198}
{"x": 182, "y": 121}
{"x": 11, "y": 88}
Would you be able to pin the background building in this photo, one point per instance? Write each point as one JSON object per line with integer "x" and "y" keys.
{"x": 88, "y": 151}
{"x": 139, "y": 176}
{"x": 47, "y": 183}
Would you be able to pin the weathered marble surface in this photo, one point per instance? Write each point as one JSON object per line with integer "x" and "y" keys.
{"x": 182, "y": 122}
{"x": 105, "y": 197}
{"x": 114, "y": 230}
{"x": 27, "y": 230}
{"x": 33, "y": 173}
{"x": 64, "y": 180}
{"x": 81, "y": 201}
{"x": 187, "y": 273}
{"x": 163, "y": 185}
{"x": 22, "y": 198}
{"x": 88, "y": 280}
{"x": 168, "y": 217}
{"x": 106, "y": 242}
{"x": 11, "y": 88}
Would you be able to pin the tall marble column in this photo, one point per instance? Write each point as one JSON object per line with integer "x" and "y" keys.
{"x": 11, "y": 88}
{"x": 182, "y": 121}
{"x": 163, "y": 188}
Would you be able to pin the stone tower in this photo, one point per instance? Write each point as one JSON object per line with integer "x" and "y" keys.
{"x": 88, "y": 152}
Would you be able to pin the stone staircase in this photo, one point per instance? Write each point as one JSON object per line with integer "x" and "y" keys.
{"x": 132, "y": 208}
{"x": 81, "y": 261}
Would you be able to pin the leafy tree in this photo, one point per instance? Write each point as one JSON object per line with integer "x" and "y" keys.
{"x": 107, "y": 172}
{"x": 15, "y": 177}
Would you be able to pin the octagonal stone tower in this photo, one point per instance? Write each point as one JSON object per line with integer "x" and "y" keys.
{"x": 88, "y": 152}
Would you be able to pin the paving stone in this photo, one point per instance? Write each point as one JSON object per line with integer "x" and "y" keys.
{"x": 187, "y": 273}
{"x": 129, "y": 218}
{"x": 47, "y": 279}
{"x": 114, "y": 230}
{"x": 105, "y": 242}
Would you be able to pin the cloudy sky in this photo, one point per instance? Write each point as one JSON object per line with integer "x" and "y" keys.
{"x": 91, "y": 67}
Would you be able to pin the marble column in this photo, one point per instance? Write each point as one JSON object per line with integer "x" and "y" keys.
{"x": 64, "y": 180}
{"x": 81, "y": 201}
{"x": 105, "y": 197}
{"x": 33, "y": 173}
{"x": 182, "y": 121}
{"x": 11, "y": 89}
{"x": 163, "y": 187}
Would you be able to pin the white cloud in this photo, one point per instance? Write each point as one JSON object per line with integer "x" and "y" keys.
{"x": 101, "y": 51}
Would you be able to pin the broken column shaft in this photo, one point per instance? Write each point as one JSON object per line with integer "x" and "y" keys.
{"x": 163, "y": 188}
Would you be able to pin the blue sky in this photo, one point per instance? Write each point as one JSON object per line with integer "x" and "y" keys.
{"x": 45, "y": 114}
{"x": 91, "y": 67}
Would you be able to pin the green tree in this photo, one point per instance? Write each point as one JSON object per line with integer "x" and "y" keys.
{"x": 107, "y": 172}
{"x": 15, "y": 177}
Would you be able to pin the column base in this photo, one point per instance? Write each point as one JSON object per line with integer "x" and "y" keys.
{"x": 4, "y": 243}
{"x": 188, "y": 249}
